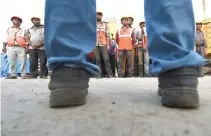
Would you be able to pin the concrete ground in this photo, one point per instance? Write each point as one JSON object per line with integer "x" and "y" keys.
{"x": 115, "y": 107}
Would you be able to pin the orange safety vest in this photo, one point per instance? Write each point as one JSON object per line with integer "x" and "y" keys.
{"x": 125, "y": 39}
{"x": 101, "y": 33}
{"x": 16, "y": 37}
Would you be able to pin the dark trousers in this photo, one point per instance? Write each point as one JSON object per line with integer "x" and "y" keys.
{"x": 101, "y": 53}
{"x": 129, "y": 64}
{"x": 139, "y": 62}
{"x": 114, "y": 65}
{"x": 34, "y": 54}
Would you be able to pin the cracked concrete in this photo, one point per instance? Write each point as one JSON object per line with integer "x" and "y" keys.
{"x": 115, "y": 107}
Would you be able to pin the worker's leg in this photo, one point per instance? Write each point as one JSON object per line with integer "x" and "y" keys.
{"x": 33, "y": 55}
{"x": 129, "y": 56}
{"x": 98, "y": 60}
{"x": 70, "y": 34}
{"x": 124, "y": 69}
{"x": 140, "y": 62}
{"x": 201, "y": 68}
{"x": 170, "y": 45}
{"x": 12, "y": 56}
{"x": 21, "y": 54}
{"x": 105, "y": 57}
{"x": 43, "y": 63}
{"x": 121, "y": 56}
{"x": 146, "y": 63}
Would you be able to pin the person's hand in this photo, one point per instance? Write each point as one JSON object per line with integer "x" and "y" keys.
{"x": 4, "y": 49}
{"x": 38, "y": 46}
{"x": 134, "y": 45}
{"x": 34, "y": 46}
{"x": 108, "y": 47}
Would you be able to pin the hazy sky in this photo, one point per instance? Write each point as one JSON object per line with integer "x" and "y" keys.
{"x": 111, "y": 8}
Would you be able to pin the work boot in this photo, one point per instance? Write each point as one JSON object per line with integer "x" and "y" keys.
{"x": 68, "y": 87}
{"x": 44, "y": 77}
{"x": 109, "y": 76}
{"x": 179, "y": 88}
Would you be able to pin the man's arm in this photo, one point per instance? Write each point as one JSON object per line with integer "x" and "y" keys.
{"x": 40, "y": 45}
{"x": 27, "y": 36}
{"x": 107, "y": 31}
{"x": 133, "y": 38}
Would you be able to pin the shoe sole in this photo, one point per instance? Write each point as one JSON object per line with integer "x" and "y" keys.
{"x": 180, "y": 98}
{"x": 67, "y": 97}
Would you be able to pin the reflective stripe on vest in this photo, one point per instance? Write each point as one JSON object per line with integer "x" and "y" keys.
{"x": 101, "y": 34}
{"x": 16, "y": 37}
{"x": 125, "y": 39}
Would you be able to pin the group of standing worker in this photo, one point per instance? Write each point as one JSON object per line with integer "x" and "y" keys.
{"x": 126, "y": 54}
{"x": 122, "y": 56}
{"x": 20, "y": 42}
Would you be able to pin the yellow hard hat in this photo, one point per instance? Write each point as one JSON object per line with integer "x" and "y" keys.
{"x": 17, "y": 18}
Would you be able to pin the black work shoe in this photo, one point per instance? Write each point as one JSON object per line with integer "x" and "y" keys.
{"x": 179, "y": 88}
{"x": 68, "y": 87}
{"x": 130, "y": 75}
{"x": 11, "y": 77}
{"x": 44, "y": 77}
{"x": 109, "y": 76}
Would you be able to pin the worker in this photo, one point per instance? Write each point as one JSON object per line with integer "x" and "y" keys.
{"x": 201, "y": 44}
{"x": 35, "y": 39}
{"x": 101, "y": 49}
{"x": 125, "y": 39}
{"x": 15, "y": 47}
{"x": 134, "y": 55}
{"x": 139, "y": 51}
{"x": 170, "y": 47}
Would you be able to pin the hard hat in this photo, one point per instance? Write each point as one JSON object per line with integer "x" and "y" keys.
{"x": 142, "y": 22}
{"x": 99, "y": 11}
{"x": 17, "y": 18}
{"x": 123, "y": 17}
{"x": 198, "y": 22}
{"x": 35, "y": 17}
{"x": 131, "y": 17}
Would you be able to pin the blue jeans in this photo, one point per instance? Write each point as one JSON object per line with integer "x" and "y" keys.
{"x": 70, "y": 34}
